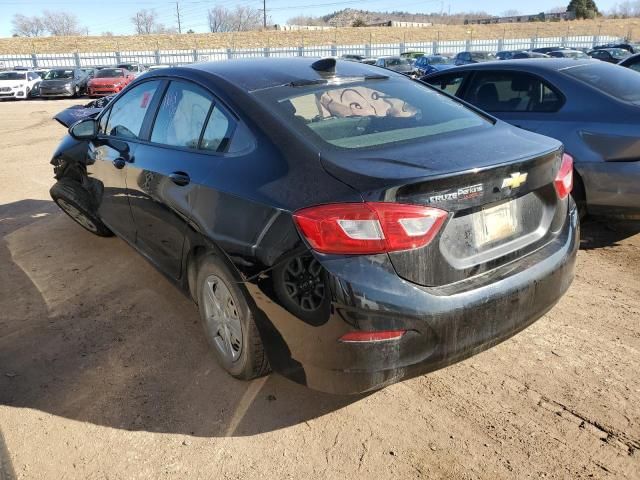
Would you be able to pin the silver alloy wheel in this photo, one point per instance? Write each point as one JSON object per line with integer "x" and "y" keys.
{"x": 222, "y": 318}
{"x": 77, "y": 215}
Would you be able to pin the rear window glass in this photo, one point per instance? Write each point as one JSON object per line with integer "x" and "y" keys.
{"x": 621, "y": 83}
{"x": 374, "y": 113}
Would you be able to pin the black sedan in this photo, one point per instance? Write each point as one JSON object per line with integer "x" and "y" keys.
{"x": 610, "y": 55}
{"x": 343, "y": 225}
{"x": 593, "y": 108}
{"x": 632, "y": 62}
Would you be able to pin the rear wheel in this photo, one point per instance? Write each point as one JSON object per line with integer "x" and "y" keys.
{"x": 76, "y": 202}
{"x": 228, "y": 322}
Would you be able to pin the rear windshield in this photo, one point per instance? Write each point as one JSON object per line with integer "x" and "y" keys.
{"x": 12, "y": 76}
{"x": 110, "y": 73}
{"x": 376, "y": 112}
{"x": 621, "y": 83}
{"x": 58, "y": 74}
{"x": 394, "y": 62}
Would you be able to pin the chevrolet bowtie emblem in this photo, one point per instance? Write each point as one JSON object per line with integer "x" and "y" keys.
{"x": 515, "y": 180}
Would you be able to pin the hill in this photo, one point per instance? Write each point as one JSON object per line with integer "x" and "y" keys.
{"x": 340, "y": 36}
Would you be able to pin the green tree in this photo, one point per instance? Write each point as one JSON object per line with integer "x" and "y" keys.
{"x": 358, "y": 22}
{"x": 583, "y": 8}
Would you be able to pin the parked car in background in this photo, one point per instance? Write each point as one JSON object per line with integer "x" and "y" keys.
{"x": 506, "y": 54}
{"x": 528, "y": 54}
{"x": 547, "y": 50}
{"x": 136, "y": 69}
{"x": 591, "y": 107}
{"x": 305, "y": 219}
{"x": 465, "y": 58}
{"x": 611, "y": 55}
{"x": 397, "y": 64}
{"x": 369, "y": 61}
{"x": 352, "y": 57}
{"x": 18, "y": 84}
{"x": 630, "y": 47}
{"x": 63, "y": 82}
{"x": 41, "y": 72}
{"x": 109, "y": 81}
{"x": 576, "y": 54}
{"x": 411, "y": 55}
{"x": 632, "y": 62}
{"x": 90, "y": 72}
{"x": 432, "y": 63}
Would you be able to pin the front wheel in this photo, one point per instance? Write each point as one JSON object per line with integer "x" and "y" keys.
{"x": 228, "y": 322}
{"x": 76, "y": 202}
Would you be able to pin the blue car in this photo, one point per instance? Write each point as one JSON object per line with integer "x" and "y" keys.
{"x": 432, "y": 63}
{"x": 591, "y": 107}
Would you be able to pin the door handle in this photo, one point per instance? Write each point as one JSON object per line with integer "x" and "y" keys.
{"x": 180, "y": 178}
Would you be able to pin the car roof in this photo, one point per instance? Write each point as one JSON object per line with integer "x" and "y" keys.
{"x": 260, "y": 73}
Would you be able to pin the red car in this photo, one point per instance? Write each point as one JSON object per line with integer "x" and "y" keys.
{"x": 109, "y": 81}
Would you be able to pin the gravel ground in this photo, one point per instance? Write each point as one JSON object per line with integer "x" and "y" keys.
{"x": 104, "y": 373}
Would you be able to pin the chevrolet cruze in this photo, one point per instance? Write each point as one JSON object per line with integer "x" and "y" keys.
{"x": 340, "y": 224}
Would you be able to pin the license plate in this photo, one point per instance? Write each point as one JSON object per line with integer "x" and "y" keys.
{"x": 496, "y": 223}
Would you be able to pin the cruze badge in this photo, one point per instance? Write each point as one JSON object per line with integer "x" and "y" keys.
{"x": 515, "y": 180}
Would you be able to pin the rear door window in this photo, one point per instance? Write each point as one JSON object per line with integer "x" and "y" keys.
{"x": 620, "y": 83}
{"x": 181, "y": 115}
{"x": 129, "y": 111}
{"x": 503, "y": 91}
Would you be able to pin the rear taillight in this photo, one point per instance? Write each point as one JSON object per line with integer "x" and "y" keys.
{"x": 564, "y": 178}
{"x": 374, "y": 336}
{"x": 368, "y": 228}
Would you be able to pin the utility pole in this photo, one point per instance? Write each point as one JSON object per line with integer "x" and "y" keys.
{"x": 178, "y": 13}
{"x": 264, "y": 13}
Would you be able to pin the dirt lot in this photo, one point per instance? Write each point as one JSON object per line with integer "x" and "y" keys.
{"x": 104, "y": 373}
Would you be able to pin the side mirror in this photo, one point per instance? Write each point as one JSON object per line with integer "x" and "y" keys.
{"x": 86, "y": 129}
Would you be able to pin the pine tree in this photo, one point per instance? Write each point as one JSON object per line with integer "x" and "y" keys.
{"x": 583, "y": 8}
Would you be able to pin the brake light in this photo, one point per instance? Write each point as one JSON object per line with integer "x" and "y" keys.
{"x": 375, "y": 336}
{"x": 564, "y": 178}
{"x": 368, "y": 228}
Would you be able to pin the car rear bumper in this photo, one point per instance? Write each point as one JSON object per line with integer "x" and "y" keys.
{"x": 102, "y": 92}
{"x": 443, "y": 325}
{"x": 612, "y": 188}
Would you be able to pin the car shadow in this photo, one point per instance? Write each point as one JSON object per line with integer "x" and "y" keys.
{"x": 595, "y": 233}
{"x": 92, "y": 332}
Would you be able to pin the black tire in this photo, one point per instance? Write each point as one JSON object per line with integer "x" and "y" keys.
{"x": 252, "y": 361}
{"x": 79, "y": 205}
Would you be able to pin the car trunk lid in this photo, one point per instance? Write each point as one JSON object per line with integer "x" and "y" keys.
{"x": 497, "y": 187}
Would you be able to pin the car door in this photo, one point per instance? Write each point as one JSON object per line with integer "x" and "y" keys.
{"x": 163, "y": 180}
{"x": 113, "y": 150}
{"x": 520, "y": 98}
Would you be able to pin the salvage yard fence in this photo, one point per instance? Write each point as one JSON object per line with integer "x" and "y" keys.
{"x": 180, "y": 57}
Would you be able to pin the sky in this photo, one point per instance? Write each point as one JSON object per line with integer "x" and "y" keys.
{"x": 114, "y": 15}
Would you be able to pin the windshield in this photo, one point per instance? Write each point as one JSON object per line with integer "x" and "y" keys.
{"x": 375, "y": 113}
{"x": 394, "y": 62}
{"x": 110, "y": 73}
{"x": 437, "y": 60}
{"x": 621, "y": 83}
{"x": 482, "y": 56}
{"x": 58, "y": 74}
{"x": 12, "y": 76}
{"x": 129, "y": 66}
{"x": 618, "y": 53}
